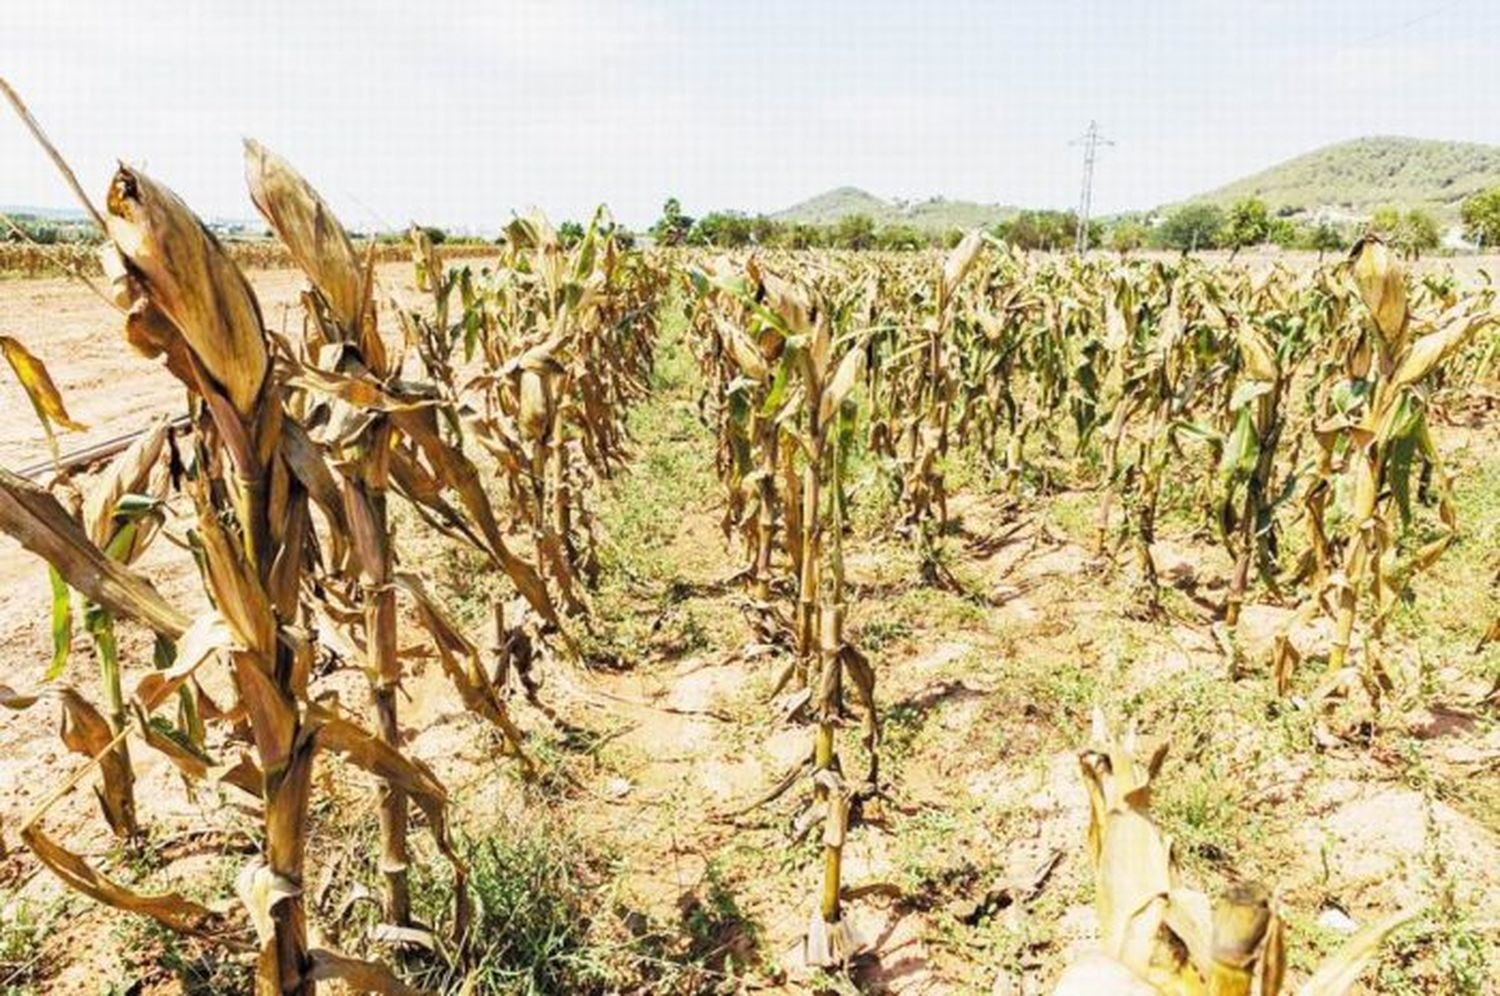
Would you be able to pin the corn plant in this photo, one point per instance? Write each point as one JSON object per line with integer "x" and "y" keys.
{"x": 1377, "y": 427}
{"x": 563, "y": 337}
{"x": 186, "y": 302}
{"x": 1158, "y": 934}
{"x": 373, "y": 424}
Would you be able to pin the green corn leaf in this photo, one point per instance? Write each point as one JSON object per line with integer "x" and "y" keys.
{"x": 62, "y": 624}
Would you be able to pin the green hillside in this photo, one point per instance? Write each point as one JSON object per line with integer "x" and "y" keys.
{"x": 934, "y": 215}
{"x": 1361, "y": 175}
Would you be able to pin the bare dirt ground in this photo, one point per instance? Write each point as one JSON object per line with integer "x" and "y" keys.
{"x": 969, "y": 877}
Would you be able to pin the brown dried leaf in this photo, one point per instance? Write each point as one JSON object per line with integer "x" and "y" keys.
{"x": 186, "y": 274}
{"x": 170, "y": 909}
{"x": 33, "y": 375}
{"x": 35, "y": 519}
{"x": 308, "y": 228}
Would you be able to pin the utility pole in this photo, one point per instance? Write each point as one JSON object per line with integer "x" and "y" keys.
{"x": 1090, "y": 141}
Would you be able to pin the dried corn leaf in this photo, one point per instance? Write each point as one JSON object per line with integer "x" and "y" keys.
{"x": 238, "y": 593}
{"x": 171, "y": 909}
{"x": 185, "y": 273}
{"x": 34, "y": 377}
{"x": 308, "y": 228}
{"x": 129, "y": 473}
{"x": 35, "y": 519}
{"x": 1340, "y": 971}
{"x": 358, "y": 974}
{"x": 361, "y": 393}
{"x": 206, "y": 636}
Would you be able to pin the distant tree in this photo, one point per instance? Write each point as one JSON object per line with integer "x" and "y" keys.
{"x": 1248, "y": 224}
{"x": 801, "y": 235}
{"x": 1127, "y": 235}
{"x": 672, "y": 228}
{"x": 1017, "y": 231}
{"x": 434, "y": 234}
{"x": 722, "y": 229}
{"x": 1385, "y": 220}
{"x": 570, "y": 233}
{"x": 43, "y": 233}
{"x": 1284, "y": 233}
{"x": 1481, "y": 218}
{"x": 1324, "y": 237}
{"x": 765, "y": 231}
{"x": 951, "y": 238}
{"x": 854, "y": 231}
{"x": 1190, "y": 227}
{"x": 1417, "y": 233}
{"x": 900, "y": 237}
{"x": 1046, "y": 230}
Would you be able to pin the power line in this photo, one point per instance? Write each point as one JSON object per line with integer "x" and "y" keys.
{"x": 1090, "y": 141}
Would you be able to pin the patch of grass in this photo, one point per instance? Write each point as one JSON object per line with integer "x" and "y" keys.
{"x": 872, "y": 506}
{"x": 23, "y": 970}
{"x": 468, "y": 585}
{"x": 1063, "y": 689}
{"x": 1439, "y": 953}
{"x": 1201, "y": 812}
{"x": 646, "y": 595}
{"x": 1075, "y": 515}
{"x": 926, "y": 844}
{"x": 721, "y": 936}
{"x": 934, "y": 609}
{"x": 878, "y": 633}
{"x": 533, "y": 888}
{"x": 900, "y": 728}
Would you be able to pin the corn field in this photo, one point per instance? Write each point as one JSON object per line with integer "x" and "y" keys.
{"x": 60, "y": 260}
{"x": 1292, "y": 418}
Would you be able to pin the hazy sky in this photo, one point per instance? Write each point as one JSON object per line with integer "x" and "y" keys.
{"x": 456, "y": 113}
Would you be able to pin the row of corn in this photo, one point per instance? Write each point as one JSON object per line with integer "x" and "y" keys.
{"x": 1257, "y": 402}
{"x": 297, "y": 447}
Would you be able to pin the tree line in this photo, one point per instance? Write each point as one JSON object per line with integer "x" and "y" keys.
{"x": 1188, "y": 228}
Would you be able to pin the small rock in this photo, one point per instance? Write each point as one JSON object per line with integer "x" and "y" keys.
{"x": 1337, "y": 920}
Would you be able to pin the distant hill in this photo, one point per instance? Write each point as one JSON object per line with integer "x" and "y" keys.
{"x": 1358, "y": 176}
{"x": 934, "y": 215}
{"x": 47, "y": 213}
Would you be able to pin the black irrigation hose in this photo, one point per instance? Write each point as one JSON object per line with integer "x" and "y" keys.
{"x": 90, "y": 455}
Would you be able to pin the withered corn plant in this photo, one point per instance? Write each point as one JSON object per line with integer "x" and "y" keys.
{"x": 119, "y": 516}
{"x": 1160, "y": 935}
{"x": 1376, "y": 442}
{"x": 1148, "y": 335}
{"x": 1228, "y": 394}
{"x": 343, "y": 342}
{"x": 563, "y": 337}
{"x": 377, "y": 429}
{"x": 928, "y": 422}
{"x": 748, "y": 453}
{"x": 791, "y": 358}
{"x": 186, "y": 302}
